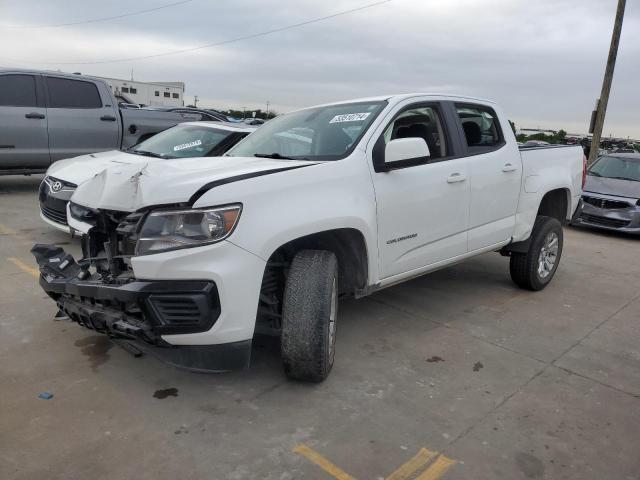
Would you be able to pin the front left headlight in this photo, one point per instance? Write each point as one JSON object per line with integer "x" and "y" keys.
{"x": 172, "y": 229}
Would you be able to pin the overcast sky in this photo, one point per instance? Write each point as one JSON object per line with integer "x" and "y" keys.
{"x": 543, "y": 61}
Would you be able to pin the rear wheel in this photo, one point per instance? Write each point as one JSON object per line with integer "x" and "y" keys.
{"x": 309, "y": 315}
{"x": 534, "y": 269}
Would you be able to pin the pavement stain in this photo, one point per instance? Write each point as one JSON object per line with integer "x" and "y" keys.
{"x": 96, "y": 348}
{"x": 165, "y": 392}
{"x": 530, "y": 465}
{"x": 435, "y": 359}
{"x": 477, "y": 366}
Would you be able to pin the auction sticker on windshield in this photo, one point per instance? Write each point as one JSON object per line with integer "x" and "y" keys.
{"x": 350, "y": 117}
{"x": 184, "y": 146}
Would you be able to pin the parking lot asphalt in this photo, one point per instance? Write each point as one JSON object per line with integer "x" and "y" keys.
{"x": 455, "y": 375}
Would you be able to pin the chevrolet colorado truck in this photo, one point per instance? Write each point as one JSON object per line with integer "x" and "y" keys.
{"x": 190, "y": 259}
{"x": 47, "y": 116}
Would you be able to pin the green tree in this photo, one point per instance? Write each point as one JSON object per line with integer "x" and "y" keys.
{"x": 561, "y": 135}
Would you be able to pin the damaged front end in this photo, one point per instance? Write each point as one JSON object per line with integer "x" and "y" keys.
{"x": 100, "y": 292}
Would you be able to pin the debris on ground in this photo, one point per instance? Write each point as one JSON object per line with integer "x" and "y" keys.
{"x": 434, "y": 359}
{"x": 166, "y": 392}
{"x": 45, "y": 395}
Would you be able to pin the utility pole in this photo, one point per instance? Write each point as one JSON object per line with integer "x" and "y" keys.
{"x": 195, "y": 101}
{"x": 601, "y": 103}
{"x": 243, "y": 112}
{"x": 267, "y": 109}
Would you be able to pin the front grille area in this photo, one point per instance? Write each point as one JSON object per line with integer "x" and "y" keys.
{"x": 54, "y": 215}
{"x": 605, "y": 203}
{"x": 52, "y": 207}
{"x": 127, "y": 230}
{"x": 604, "y": 221}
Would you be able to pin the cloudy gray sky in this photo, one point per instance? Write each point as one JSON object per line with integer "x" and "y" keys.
{"x": 543, "y": 61}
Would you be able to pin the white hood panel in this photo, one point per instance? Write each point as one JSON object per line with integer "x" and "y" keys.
{"x": 80, "y": 169}
{"x": 128, "y": 188}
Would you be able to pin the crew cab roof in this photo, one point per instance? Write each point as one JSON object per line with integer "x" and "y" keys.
{"x": 403, "y": 96}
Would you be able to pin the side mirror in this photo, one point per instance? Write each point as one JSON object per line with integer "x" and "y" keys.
{"x": 402, "y": 149}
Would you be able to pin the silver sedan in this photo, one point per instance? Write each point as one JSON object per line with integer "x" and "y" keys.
{"x": 611, "y": 197}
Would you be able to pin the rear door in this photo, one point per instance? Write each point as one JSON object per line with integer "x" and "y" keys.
{"x": 79, "y": 121}
{"x": 423, "y": 206}
{"x": 23, "y": 123}
{"x": 495, "y": 169}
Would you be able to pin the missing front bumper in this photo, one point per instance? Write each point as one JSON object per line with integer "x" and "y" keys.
{"x": 140, "y": 311}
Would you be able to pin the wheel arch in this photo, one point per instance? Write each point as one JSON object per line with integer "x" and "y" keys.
{"x": 556, "y": 203}
{"x": 349, "y": 246}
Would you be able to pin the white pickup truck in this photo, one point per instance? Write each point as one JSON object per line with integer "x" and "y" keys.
{"x": 189, "y": 259}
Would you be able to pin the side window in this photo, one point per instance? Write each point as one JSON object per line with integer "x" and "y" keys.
{"x": 175, "y": 95}
{"x": 17, "y": 91}
{"x": 481, "y": 127}
{"x": 66, "y": 93}
{"x": 420, "y": 122}
{"x": 167, "y": 94}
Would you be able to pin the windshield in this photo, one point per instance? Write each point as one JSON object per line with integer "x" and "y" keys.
{"x": 617, "y": 167}
{"x": 321, "y": 133}
{"x": 186, "y": 141}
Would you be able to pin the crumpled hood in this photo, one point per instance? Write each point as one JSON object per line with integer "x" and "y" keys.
{"x": 79, "y": 169}
{"x": 127, "y": 188}
{"x": 612, "y": 186}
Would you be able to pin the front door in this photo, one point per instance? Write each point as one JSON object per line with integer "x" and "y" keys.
{"x": 422, "y": 209}
{"x": 23, "y": 123}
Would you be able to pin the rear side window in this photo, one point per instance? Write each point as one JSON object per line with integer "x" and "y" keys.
{"x": 481, "y": 128}
{"x": 17, "y": 91}
{"x": 66, "y": 93}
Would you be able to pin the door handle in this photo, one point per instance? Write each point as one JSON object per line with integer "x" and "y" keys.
{"x": 456, "y": 177}
{"x": 108, "y": 118}
{"x": 509, "y": 168}
{"x": 34, "y": 115}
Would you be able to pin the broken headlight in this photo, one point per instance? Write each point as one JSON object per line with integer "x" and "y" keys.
{"x": 172, "y": 229}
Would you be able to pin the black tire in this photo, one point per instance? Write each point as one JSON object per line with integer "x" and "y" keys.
{"x": 524, "y": 267}
{"x": 307, "y": 346}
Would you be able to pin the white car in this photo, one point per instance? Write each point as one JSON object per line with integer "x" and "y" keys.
{"x": 185, "y": 140}
{"x": 189, "y": 259}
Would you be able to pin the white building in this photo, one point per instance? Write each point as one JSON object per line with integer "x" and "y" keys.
{"x": 149, "y": 94}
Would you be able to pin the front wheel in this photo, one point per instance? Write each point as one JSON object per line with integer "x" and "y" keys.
{"x": 535, "y": 269}
{"x": 309, "y": 315}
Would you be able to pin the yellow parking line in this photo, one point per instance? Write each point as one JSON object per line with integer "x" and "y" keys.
{"x": 405, "y": 471}
{"x": 437, "y": 468}
{"x": 24, "y": 267}
{"x": 4, "y": 230}
{"x": 323, "y": 463}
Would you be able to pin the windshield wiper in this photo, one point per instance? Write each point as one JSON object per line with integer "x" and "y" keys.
{"x": 277, "y": 156}
{"x": 146, "y": 153}
{"x": 626, "y": 178}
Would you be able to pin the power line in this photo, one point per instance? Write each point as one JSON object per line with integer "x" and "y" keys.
{"x": 216, "y": 44}
{"x": 101, "y": 19}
